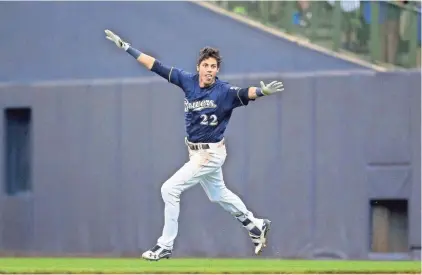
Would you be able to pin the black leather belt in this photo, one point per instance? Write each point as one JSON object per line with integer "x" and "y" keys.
{"x": 198, "y": 146}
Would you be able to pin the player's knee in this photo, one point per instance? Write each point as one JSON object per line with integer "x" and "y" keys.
{"x": 165, "y": 189}
{"x": 168, "y": 190}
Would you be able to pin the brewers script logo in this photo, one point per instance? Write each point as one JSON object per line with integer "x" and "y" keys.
{"x": 199, "y": 105}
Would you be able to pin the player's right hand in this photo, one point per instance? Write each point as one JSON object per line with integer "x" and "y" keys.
{"x": 117, "y": 40}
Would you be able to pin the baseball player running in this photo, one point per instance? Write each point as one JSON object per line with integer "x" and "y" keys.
{"x": 209, "y": 103}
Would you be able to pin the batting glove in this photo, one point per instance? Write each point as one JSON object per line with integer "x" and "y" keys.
{"x": 117, "y": 40}
{"x": 273, "y": 87}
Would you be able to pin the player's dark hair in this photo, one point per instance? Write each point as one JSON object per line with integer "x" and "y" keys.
{"x": 208, "y": 52}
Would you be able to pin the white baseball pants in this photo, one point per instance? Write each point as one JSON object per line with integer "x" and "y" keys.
{"x": 204, "y": 167}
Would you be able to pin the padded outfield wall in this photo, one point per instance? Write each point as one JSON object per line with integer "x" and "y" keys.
{"x": 100, "y": 149}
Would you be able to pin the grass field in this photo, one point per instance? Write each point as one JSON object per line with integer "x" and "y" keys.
{"x": 200, "y": 265}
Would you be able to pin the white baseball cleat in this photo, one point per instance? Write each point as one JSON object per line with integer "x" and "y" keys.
{"x": 260, "y": 241}
{"x": 156, "y": 253}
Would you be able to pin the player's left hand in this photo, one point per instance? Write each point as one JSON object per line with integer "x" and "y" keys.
{"x": 273, "y": 87}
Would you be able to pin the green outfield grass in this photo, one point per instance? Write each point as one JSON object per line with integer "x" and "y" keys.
{"x": 200, "y": 265}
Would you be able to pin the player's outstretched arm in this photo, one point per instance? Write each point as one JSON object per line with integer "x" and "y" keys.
{"x": 241, "y": 96}
{"x": 264, "y": 90}
{"x": 144, "y": 59}
{"x": 148, "y": 61}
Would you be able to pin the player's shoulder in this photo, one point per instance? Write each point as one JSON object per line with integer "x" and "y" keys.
{"x": 224, "y": 85}
{"x": 184, "y": 72}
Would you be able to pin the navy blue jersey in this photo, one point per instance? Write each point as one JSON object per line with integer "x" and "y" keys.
{"x": 207, "y": 110}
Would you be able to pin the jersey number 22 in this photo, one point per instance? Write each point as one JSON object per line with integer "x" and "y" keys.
{"x": 212, "y": 120}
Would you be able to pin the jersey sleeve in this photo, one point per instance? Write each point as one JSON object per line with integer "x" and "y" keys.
{"x": 173, "y": 75}
{"x": 179, "y": 77}
{"x": 235, "y": 96}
